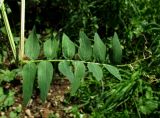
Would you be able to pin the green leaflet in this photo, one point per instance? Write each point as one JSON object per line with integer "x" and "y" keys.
{"x": 29, "y": 74}
{"x": 74, "y": 78}
{"x": 79, "y": 73}
{"x": 116, "y": 50}
{"x": 99, "y": 49}
{"x": 32, "y": 47}
{"x": 45, "y": 75}
{"x": 68, "y": 47}
{"x": 85, "y": 49}
{"x": 79, "y": 69}
{"x": 51, "y": 48}
{"x": 113, "y": 70}
{"x": 96, "y": 70}
{"x": 65, "y": 68}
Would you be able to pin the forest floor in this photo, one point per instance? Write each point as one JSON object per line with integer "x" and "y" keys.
{"x": 54, "y": 106}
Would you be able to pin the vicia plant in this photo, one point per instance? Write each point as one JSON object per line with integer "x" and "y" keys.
{"x": 91, "y": 59}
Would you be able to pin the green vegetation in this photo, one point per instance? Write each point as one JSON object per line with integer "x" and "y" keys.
{"x": 107, "y": 50}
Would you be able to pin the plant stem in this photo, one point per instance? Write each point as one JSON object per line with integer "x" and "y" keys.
{"x": 1, "y": 2}
{"x": 21, "y": 51}
{"x": 60, "y": 60}
{"x": 10, "y": 36}
{"x": 56, "y": 60}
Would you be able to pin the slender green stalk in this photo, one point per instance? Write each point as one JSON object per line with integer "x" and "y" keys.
{"x": 21, "y": 52}
{"x": 56, "y": 60}
{"x": 8, "y": 29}
{"x": 1, "y": 2}
{"x": 59, "y": 60}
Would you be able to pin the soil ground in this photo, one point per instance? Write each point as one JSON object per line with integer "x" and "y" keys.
{"x": 35, "y": 108}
